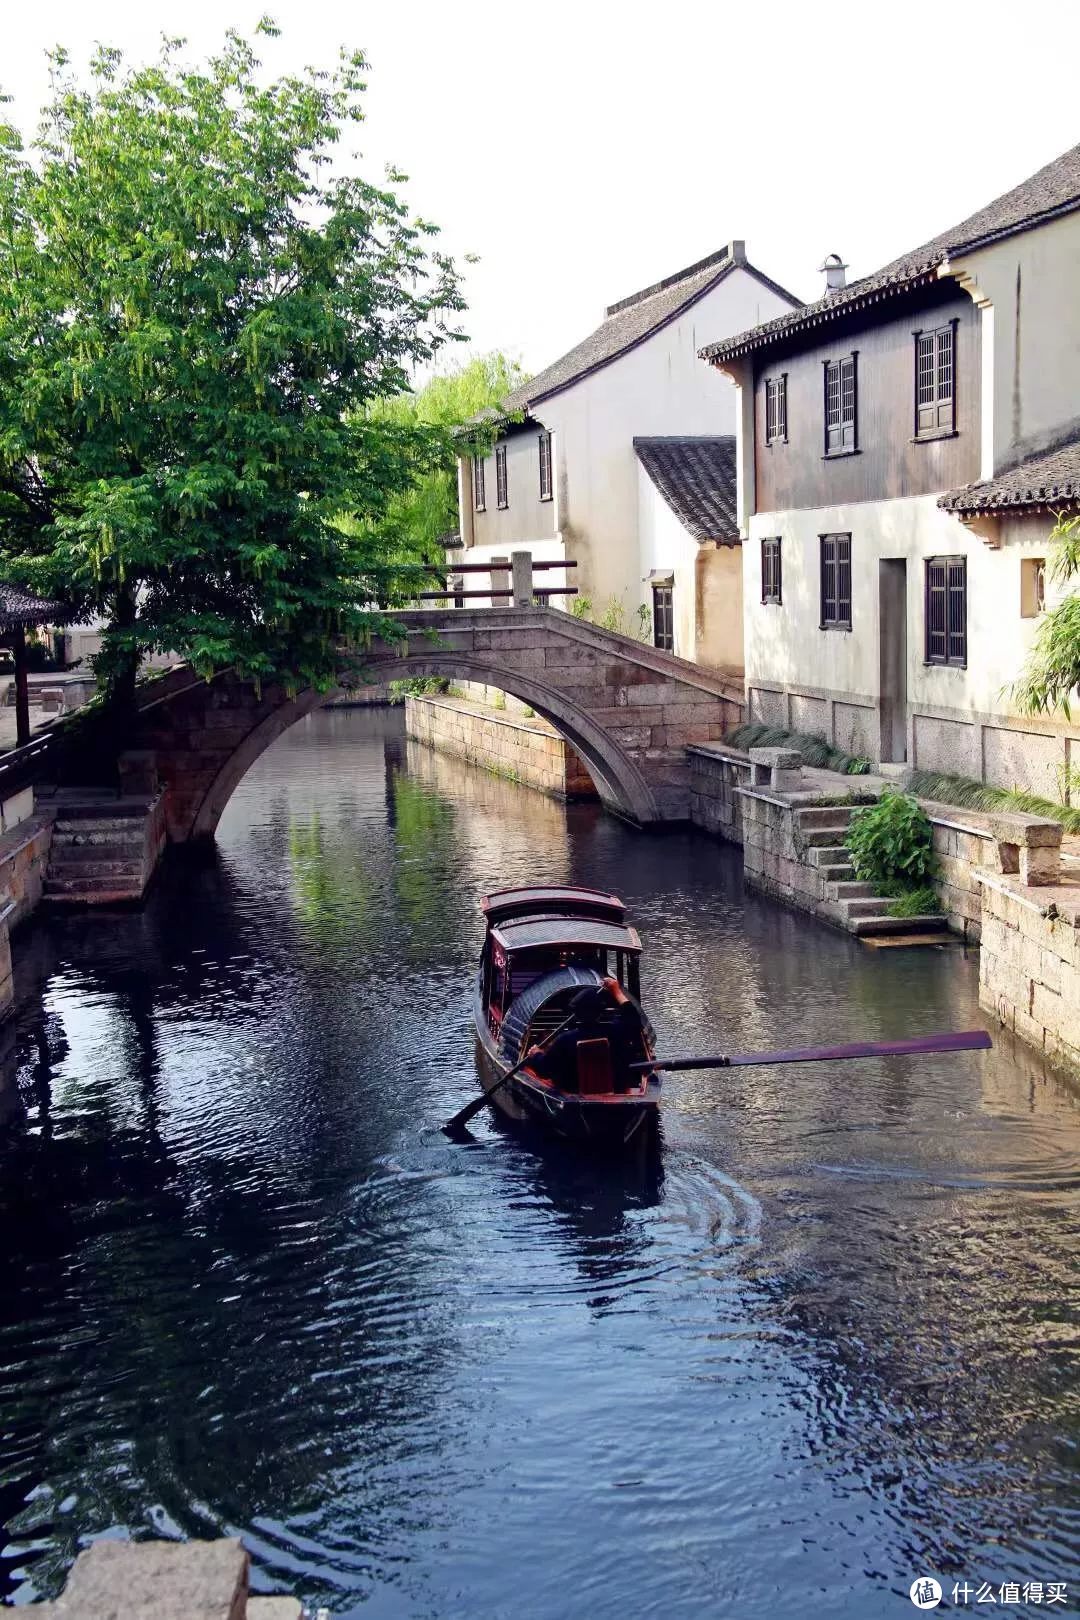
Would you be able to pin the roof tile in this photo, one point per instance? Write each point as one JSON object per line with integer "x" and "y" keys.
{"x": 696, "y": 478}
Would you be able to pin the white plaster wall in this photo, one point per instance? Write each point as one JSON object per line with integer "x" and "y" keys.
{"x": 666, "y": 546}
{"x": 1031, "y": 281}
{"x": 527, "y": 518}
{"x": 785, "y": 645}
{"x": 660, "y": 387}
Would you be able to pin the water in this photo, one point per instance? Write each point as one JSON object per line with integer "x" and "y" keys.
{"x": 829, "y": 1345}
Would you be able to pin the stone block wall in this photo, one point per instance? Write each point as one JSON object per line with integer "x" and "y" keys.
{"x": 24, "y": 861}
{"x": 772, "y": 858}
{"x": 715, "y": 805}
{"x": 524, "y": 750}
{"x": 1029, "y": 964}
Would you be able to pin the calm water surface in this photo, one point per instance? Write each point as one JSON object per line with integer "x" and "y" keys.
{"x": 829, "y": 1344}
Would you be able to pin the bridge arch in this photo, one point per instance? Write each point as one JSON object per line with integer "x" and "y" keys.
{"x": 621, "y": 784}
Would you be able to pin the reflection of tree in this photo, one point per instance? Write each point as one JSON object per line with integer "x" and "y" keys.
{"x": 423, "y": 839}
{"x": 331, "y": 883}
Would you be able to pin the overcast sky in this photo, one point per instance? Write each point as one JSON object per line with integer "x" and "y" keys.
{"x": 585, "y": 149}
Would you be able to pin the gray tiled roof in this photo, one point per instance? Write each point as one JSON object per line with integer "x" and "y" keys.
{"x": 696, "y": 477}
{"x": 1052, "y": 479}
{"x": 20, "y": 607}
{"x": 633, "y": 319}
{"x": 1054, "y": 190}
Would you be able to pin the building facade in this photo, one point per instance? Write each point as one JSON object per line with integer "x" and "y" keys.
{"x": 903, "y": 448}
{"x": 564, "y": 479}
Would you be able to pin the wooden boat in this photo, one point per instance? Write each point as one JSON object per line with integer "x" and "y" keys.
{"x": 542, "y": 947}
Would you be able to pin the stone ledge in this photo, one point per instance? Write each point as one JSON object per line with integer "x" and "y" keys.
{"x": 155, "y": 1580}
{"x": 1059, "y": 901}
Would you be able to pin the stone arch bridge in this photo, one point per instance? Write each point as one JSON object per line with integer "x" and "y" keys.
{"x": 628, "y": 708}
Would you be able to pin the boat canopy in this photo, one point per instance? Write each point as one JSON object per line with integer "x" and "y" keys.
{"x": 534, "y": 933}
{"x": 515, "y": 1026}
{"x": 548, "y": 899}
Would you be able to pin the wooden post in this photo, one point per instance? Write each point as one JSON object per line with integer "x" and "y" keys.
{"x": 22, "y": 696}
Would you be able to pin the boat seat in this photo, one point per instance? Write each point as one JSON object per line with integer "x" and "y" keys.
{"x": 595, "y": 1072}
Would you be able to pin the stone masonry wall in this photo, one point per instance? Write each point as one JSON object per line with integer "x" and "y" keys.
{"x": 525, "y": 750}
{"x": 1029, "y": 965}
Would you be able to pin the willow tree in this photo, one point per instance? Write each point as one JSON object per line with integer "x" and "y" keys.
{"x": 1051, "y": 678}
{"x": 199, "y": 303}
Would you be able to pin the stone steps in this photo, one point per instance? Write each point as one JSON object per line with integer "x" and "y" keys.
{"x": 103, "y": 850}
{"x": 882, "y": 923}
{"x": 822, "y": 837}
{"x": 829, "y": 855}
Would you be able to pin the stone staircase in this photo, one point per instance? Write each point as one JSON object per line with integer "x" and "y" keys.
{"x": 104, "y": 849}
{"x": 821, "y": 832}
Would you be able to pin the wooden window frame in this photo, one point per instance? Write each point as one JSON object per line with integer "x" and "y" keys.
{"x": 772, "y": 570}
{"x": 546, "y": 480}
{"x": 945, "y": 597}
{"x": 502, "y": 488}
{"x": 941, "y": 404}
{"x": 664, "y": 617}
{"x": 846, "y": 427}
{"x": 776, "y": 409}
{"x": 835, "y": 581}
{"x": 479, "y": 485}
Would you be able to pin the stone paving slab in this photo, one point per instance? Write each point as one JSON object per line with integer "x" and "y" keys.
{"x": 156, "y": 1580}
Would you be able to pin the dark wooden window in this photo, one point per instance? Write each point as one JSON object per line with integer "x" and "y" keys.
{"x": 479, "y": 502}
{"x": 663, "y": 625}
{"x": 935, "y": 381}
{"x": 841, "y": 406}
{"x": 836, "y": 582}
{"x": 946, "y": 611}
{"x": 502, "y": 499}
{"x": 776, "y": 409}
{"x": 771, "y": 574}
{"x": 545, "y": 466}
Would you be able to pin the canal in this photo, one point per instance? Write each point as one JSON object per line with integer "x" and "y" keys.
{"x": 828, "y": 1346}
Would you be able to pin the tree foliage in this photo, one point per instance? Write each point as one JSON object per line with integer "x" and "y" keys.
{"x": 417, "y": 518}
{"x": 1051, "y": 676}
{"x": 198, "y": 310}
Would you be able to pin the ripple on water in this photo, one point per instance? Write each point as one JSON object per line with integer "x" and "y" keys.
{"x": 828, "y": 1338}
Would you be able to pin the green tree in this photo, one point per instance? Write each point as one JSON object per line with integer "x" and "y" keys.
{"x": 197, "y": 311}
{"x": 418, "y": 517}
{"x": 1051, "y": 676}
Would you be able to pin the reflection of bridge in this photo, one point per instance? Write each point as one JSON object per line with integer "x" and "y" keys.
{"x": 627, "y": 708}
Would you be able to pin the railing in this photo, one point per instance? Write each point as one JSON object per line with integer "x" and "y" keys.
{"x": 21, "y": 767}
{"x": 521, "y": 591}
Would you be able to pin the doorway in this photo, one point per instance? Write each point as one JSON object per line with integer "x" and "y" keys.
{"x": 892, "y": 652}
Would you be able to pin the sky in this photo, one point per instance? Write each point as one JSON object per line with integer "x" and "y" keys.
{"x": 583, "y": 150}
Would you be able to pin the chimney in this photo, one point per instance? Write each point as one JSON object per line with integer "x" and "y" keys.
{"x": 737, "y": 251}
{"x": 835, "y": 272}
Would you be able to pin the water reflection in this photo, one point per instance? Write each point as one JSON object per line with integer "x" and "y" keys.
{"x": 826, "y": 1340}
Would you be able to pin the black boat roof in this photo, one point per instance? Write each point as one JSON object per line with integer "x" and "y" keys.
{"x": 546, "y": 899}
{"x": 532, "y": 933}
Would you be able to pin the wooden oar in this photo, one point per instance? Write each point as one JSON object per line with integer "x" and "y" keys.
{"x": 968, "y": 1040}
{"x": 463, "y": 1115}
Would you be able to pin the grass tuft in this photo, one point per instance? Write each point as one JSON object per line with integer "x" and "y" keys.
{"x": 814, "y": 750}
{"x": 965, "y": 792}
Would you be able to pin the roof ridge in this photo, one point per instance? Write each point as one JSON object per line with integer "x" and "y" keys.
{"x": 726, "y": 252}
{"x": 684, "y": 438}
{"x": 1050, "y": 191}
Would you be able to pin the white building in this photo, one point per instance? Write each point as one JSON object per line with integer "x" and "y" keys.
{"x": 903, "y": 446}
{"x": 565, "y": 480}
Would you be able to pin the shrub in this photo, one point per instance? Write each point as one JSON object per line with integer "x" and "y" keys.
{"x": 891, "y": 843}
{"x": 418, "y": 686}
{"x": 581, "y": 607}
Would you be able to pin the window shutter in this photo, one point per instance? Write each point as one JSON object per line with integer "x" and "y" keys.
{"x": 843, "y": 579}
{"x": 937, "y": 641}
{"x": 956, "y": 582}
{"x": 782, "y": 419}
{"x": 944, "y": 417}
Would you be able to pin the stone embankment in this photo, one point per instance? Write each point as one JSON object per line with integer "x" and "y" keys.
{"x": 1002, "y": 879}
{"x": 511, "y": 744}
{"x": 165, "y": 1580}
